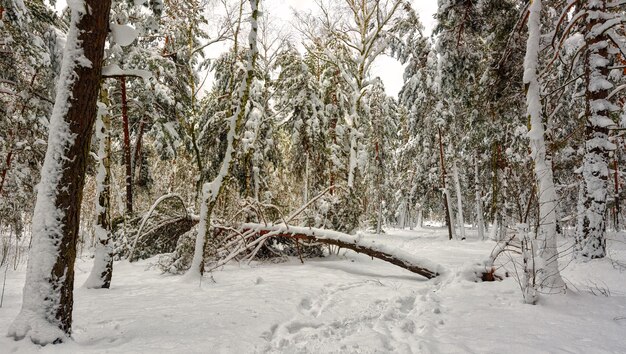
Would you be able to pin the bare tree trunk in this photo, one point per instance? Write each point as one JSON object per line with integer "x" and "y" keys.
{"x": 616, "y": 194}
{"x": 479, "y": 204}
{"x": 459, "y": 198}
{"x": 379, "y": 219}
{"x": 46, "y": 314}
{"x": 137, "y": 153}
{"x": 306, "y": 180}
{"x": 127, "y": 153}
{"x": 446, "y": 199}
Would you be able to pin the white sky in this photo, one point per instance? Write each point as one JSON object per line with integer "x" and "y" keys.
{"x": 387, "y": 68}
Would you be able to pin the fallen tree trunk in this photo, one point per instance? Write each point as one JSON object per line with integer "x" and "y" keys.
{"x": 371, "y": 248}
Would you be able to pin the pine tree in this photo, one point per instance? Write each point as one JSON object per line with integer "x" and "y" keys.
{"x": 29, "y": 65}
{"x": 299, "y": 99}
{"x": 46, "y": 315}
{"x": 591, "y": 227}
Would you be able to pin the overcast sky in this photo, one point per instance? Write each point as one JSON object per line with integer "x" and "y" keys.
{"x": 389, "y": 69}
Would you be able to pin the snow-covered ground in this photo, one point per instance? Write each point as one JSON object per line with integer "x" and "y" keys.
{"x": 341, "y": 304}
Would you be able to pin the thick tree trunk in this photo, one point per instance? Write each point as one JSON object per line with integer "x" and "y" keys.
{"x": 46, "y": 315}
{"x": 102, "y": 270}
{"x": 591, "y": 226}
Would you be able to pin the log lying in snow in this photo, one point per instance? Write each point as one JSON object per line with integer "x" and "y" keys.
{"x": 355, "y": 243}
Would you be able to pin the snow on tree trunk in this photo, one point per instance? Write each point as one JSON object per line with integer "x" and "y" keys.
{"x": 529, "y": 275}
{"x": 420, "y": 217}
{"x": 212, "y": 190}
{"x": 591, "y": 225}
{"x": 459, "y": 199}
{"x": 493, "y": 232}
{"x": 46, "y": 314}
{"x": 402, "y": 214}
{"x": 548, "y": 267}
{"x": 102, "y": 271}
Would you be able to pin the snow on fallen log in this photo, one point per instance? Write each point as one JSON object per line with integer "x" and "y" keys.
{"x": 357, "y": 244}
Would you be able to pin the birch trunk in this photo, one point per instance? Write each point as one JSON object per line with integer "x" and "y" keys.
{"x": 548, "y": 268}
{"x": 211, "y": 191}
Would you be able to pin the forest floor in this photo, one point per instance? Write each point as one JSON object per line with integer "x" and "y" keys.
{"x": 344, "y": 303}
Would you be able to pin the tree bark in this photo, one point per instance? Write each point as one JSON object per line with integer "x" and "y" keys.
{"x": 446, "y": 201}
{"x": 459, "y": 199}
{"x": 616, "y": 194}
{"x": 137, "y": 153}
{"x": 127, "y": 153}
{"x": 479, "y": 204}
{"x": 46, "y": 314}
{"x": 591, "y": 225}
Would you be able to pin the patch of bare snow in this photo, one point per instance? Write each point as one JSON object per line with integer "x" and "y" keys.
{"x": 345, "y": 303}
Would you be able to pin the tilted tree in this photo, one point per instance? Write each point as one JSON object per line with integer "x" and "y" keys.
{"x": 237, "y": 111}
